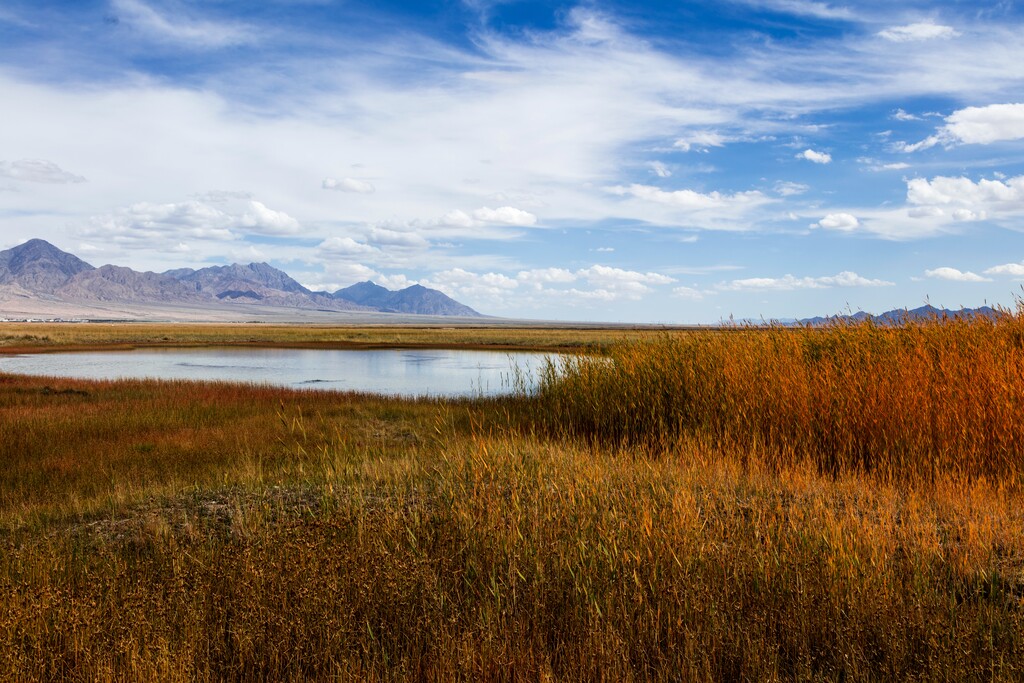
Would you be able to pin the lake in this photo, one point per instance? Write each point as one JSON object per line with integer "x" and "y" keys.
{"x": 400, "y": 372}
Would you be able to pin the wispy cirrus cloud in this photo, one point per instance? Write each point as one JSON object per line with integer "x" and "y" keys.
{"x": 348, "y": 185}
{"x": 38, "y": 171}
{"x": 924, "y": 30}
{"x": 181, "y": 29}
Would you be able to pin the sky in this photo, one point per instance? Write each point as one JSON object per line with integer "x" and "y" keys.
{"x": 650, "y": 162}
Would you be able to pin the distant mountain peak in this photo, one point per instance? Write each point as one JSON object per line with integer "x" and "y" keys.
{"x": 415, "y": 299}
{"x": 37, "y": 268}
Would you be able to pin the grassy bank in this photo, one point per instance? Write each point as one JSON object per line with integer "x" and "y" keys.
{"x": 38, "y": 337}
{"x": 218, "y": 532}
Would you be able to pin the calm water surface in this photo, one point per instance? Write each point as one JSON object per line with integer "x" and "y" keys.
{"x": 387, "y": 371}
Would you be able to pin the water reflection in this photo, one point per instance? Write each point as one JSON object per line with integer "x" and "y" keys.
{"x": 382, "y": 371}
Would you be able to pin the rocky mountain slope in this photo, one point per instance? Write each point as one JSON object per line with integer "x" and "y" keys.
{"x": 37, "y": 269}
{"x": 414, "y": 299}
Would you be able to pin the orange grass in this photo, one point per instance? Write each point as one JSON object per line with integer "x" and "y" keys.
{"x": 181, "y": 531}
{"x": 909, "y": 401}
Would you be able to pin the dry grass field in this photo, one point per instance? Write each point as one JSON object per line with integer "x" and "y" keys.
{"x": 786, "y": 504}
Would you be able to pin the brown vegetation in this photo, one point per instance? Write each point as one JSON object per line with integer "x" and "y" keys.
{"x": 761, "y": 505}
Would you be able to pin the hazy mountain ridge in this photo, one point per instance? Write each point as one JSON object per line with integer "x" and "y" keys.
{"x": 414, "y": 299}
{"x": 37, "y": 269}
{"x": 901, "y": 315}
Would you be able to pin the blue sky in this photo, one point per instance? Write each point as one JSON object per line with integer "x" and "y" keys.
{"x": 648, "y": 162}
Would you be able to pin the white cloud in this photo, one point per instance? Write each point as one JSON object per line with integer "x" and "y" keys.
{"x": 660, "y": 169}
{"x": 456, "y": 219}
{"x": 345, "y": 246}
{"x": 689, "y": 199}
{"x": 607, "y": 276}
{"x": 938, "y": 205}
{"x": 789, "y": 282}
{"x": 947, "y": 273}
{"x": 877, "y": 166}
{"x": 901, "y": 115}
{"x": 181, "y": 30}
{"x": 975, "y": 125}
{"x": 809, "y": 8}
{"x": 505, "y": 215}
{"x": 688, "y": 293}
{"x": 816, "y": 157}
{"x": 547, "y": 285}
{"x": 160, "y": 226}
{"x": 348, "y": 185}
{"x": 700, "y": 140}
{"x": 917, "y": 32}
{"x": 843, "y": 222}
{"x": 37, "y": 171}
{"x": 539, "y": 276}
{"x": 606, "y": 250}
{"x": 1012, "y": 269}
{"x": 985, "y": 125}
{"x": 995, "y": 195}
{"x": 260, "y": 219}
{"x": 785, "y": 188}
{"x": 397, "y": 238}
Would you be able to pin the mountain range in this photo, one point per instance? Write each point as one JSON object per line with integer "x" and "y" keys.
{"x": 902, "y": 315}
{"x": 39, "y": 271}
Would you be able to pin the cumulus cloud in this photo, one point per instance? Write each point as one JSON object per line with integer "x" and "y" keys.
{"x": 344, "y": 246}
{"x": 924, "y": 30}
{"x": 349, "y": 185}
{"x": 261, "y": 219}
{"x": 505, "y": 215}
{"x": 181, "y": 30}
{"x": 975, "y": 126}
{"x": 159, "y": 226}
{"x": 538, "y": 277}
{"x": 954, "y": 275}
{"x": 997, "y": 195}
{"x": 596, "y": 283}
{"x": 609, "y": 277}
{"x": 843, "y": 222}
{"x": 1011, "y": 269}
{"x": 37, "y": 171}
{"x": 816, "y": 157}
{"x": 457, "y": 219}
{"x": 789, "y": 282}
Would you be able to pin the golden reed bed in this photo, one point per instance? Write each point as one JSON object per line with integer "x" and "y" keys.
{"x": 827, "y": 504}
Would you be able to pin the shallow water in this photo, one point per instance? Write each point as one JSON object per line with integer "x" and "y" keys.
{"x": 381, "y": 371}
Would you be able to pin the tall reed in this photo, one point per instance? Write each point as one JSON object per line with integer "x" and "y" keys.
{"x": 900, "y": 401}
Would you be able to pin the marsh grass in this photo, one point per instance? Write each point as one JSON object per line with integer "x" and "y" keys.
{"x": 264, "y": 534}
{"x": 910, "y": 401}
